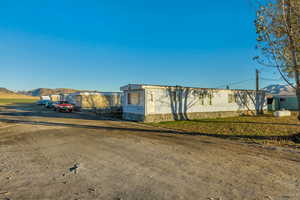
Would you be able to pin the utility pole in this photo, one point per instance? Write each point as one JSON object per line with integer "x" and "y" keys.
{"x": 257, "y": 79}
{"x": 257, "y": 99}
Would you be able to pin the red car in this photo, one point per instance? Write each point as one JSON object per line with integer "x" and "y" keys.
{"x": 63, "y": 106}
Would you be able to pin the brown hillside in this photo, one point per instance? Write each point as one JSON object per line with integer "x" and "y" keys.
{"x": 8, "y": 94}
{"x": 47, "y": 91}
{"x": 5, "y": 91}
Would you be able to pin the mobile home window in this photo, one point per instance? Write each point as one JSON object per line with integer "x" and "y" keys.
{"x": 270, "y": 100}
{"x": 151, "y": 97}
{"x": 231, "y": 98}
{"x": 282, "y": 99}
{"x": 202, "y": 97}
{"x": 134, "y": 98}
{"x": 210, "y": 96}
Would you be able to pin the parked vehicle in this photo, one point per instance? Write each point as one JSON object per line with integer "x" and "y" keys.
{"x": 42, "y": 102}
{"x": 50, "y": 104}
{"x": 63, "y": 106}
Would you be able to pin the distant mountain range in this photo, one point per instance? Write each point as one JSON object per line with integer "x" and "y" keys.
{"x": 48, "y": 91}
{"x": 281, "y": 90}
{"x": 38, "y": 92}
{"x": 6, "y": 91}
{"x": 8, "y": 94}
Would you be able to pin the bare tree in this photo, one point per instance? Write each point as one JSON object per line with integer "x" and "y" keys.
{"x": 278, "y": 29}
{"x": 245, "y": 98}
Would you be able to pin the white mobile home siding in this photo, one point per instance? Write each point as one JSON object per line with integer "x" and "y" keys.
{"x": 158, "y": 102}
{"x": 164, "y": 103}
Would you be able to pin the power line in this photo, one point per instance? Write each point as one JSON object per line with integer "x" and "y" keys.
{"x": 270, "y": 79}
{"x": 235, "y": 83}
{"x": 247, "y": 80}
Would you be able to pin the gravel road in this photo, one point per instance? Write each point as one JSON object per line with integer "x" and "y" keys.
{"x": 72, "y": 156}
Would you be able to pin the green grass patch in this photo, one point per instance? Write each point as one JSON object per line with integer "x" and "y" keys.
{"x": 15, "y": 101}
{"x": 261, "y": 129}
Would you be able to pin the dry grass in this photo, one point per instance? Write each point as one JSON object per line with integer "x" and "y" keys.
{"x": 6, "y": 98}
{"x": 15, "y": 96}
{"x": 16, "y": 101}
{"x": 260, "y": 129}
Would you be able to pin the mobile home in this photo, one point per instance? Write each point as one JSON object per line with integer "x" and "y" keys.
{"x": 94, "y": 100}
{"x": 152, "y": 103}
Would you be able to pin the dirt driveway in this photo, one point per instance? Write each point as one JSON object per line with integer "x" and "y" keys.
{"x": 48, "y": 155}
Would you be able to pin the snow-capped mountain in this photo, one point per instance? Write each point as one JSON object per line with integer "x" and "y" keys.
{"x": 281, "y": 90}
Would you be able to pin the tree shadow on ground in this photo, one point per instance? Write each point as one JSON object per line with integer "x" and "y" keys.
{"x": 31, "y": 110}
{"x": 294, "y": 138}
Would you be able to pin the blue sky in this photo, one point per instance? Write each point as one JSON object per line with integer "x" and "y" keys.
{"x": 102, "y": 45}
